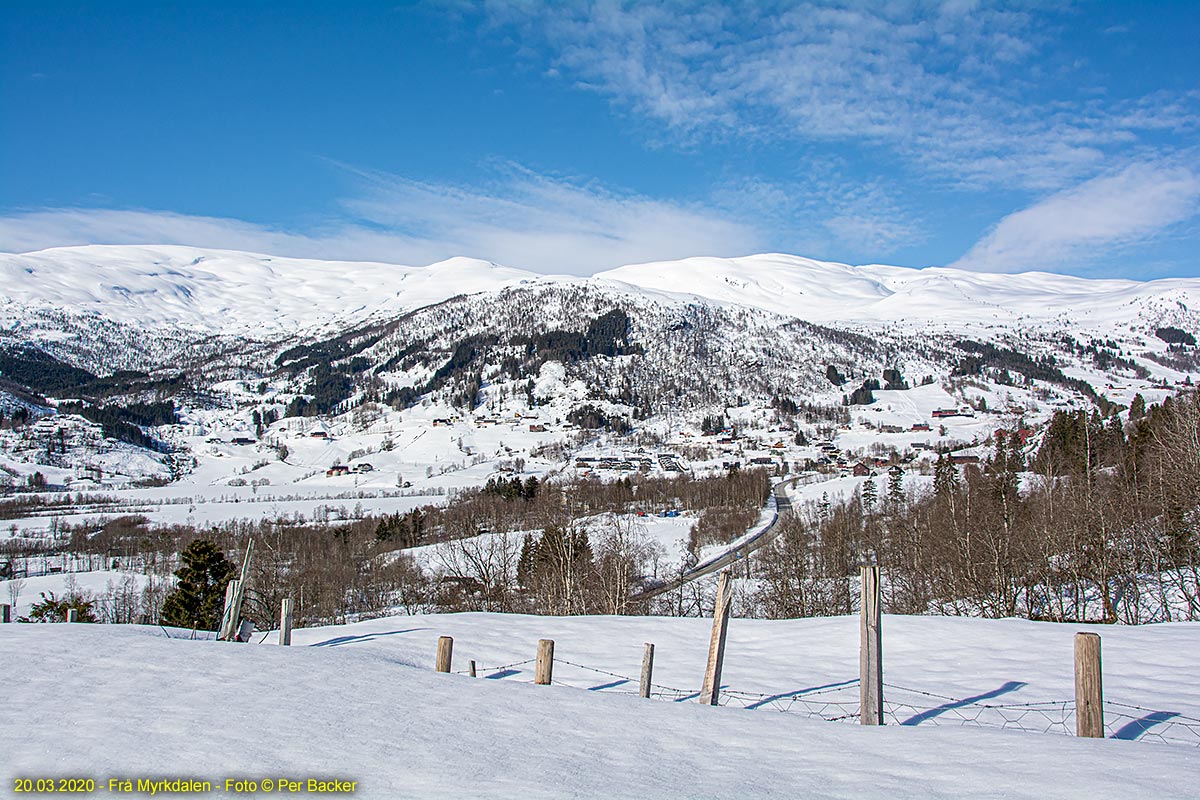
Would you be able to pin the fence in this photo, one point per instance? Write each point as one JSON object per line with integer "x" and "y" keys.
{"x": 844, "y": 700}
{"x": 886, "y": 703}
{"x": 839, "y": 701}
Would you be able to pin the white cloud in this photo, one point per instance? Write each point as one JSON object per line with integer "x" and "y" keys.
{"x": 64, "y": 227}
{"x": 829, "y": 215}
{"x": 550, "y": 224}
{"x": 946, "y": 86}
{"x": 1102, "y": 214}
{"x": 522, "y": 220}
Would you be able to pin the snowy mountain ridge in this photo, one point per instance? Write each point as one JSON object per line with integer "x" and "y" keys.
{"x": 231, "y": 292}
{"x": 828, "y": 292}
{"x": 200, "y": 367}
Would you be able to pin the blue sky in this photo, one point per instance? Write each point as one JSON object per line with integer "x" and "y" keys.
{"x": 565, "y": 137}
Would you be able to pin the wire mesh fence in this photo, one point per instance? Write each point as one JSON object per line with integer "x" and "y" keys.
{"x": 1123, "y": 721}
{"x": 904, "y": 706}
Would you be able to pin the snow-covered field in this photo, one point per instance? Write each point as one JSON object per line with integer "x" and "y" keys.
{"x": 95, "y": 584}
{"x": 361, "y": 702}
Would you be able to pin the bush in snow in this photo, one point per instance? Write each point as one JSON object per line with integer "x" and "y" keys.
{"x": 53, "y": 609}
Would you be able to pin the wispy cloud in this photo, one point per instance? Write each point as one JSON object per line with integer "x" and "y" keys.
{"x": 939, "y": 84}
{"x": 827, "y": 215}
{"x": 519, "y": 219}
{"x": 551, "y": 224}
{"x": 1103, "y": 214}
{"x": 64, "y": 227}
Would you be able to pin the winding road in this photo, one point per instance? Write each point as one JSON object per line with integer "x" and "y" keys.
{"x": 779, "y": 504}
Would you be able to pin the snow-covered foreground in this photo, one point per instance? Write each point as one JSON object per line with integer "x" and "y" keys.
{"x": 361, "y": 702}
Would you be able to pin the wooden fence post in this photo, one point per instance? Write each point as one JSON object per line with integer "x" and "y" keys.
{"x": 870, "y": 653}
{"x": 445, "y": 651}
{"x": 72, "y": 615}
{"x": 229, "y": 621}
{"x": 285, "y": 621}
{"x": 231, "y": 624}
{"x": 1089, "y": 689}
{"x": 710, "y": 692}
{"x": 471, "y": 668}
{"x": 647, "y": 669}
{"x": 544, "y": 671}
{"x": 5, "y": 613}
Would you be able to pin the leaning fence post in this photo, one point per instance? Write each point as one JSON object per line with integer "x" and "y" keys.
{"x": 1089, "y": 689}
{"x": 72, "y": 615}
{"x": 5, "y": 613}
{"x": 285, "y": 621}
{"x": 229, "y": 617}
{"x": 445, "y": 650}
{"x": 647, "y": 669}
{"x": 471, "y": 668}
{"x": 710, "y": 692}
{"x": 870, "y": 653}
{"x": 231, "y": 623}
{"x": 544, "y": 671}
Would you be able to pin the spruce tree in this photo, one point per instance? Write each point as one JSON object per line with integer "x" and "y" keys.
{"x": 896, "y": 486}
{"x": 945, "y": 477}
{"x": 870, "y": 493}
{"x": 527, "y": 562}
{"x": 199, "y": 597}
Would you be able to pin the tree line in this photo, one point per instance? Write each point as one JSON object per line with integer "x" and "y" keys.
{"x": 1100, "y": 524}
{"x": 513, "y": 545}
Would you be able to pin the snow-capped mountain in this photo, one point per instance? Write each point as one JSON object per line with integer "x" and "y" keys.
{"x": 178, "y": 351}
{"x": 225, "y": 291}
{"x": 832, "y": 293}
{"x": 106, "y": 308}
{"x": 764, "y": 323}
{"x": 228, "y": 292}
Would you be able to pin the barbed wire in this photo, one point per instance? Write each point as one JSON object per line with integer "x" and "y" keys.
{"x": 479, "y": 670}
{"x": 1176, "y": 716}
{"x": 594, "y": 669}
{"x": 1165, "y": 727}
{"x": 1122, "y": 720}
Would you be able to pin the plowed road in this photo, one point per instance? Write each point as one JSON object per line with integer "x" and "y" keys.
{"x": 782, "y": 506}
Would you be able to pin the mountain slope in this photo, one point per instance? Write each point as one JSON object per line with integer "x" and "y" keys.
{"x": 692, "y": 337}
{"x": 828, "y": 292}
{"x": 228, "y": 291}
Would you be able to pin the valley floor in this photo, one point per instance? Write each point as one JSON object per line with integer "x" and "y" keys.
{"x": 361, "y": 702}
